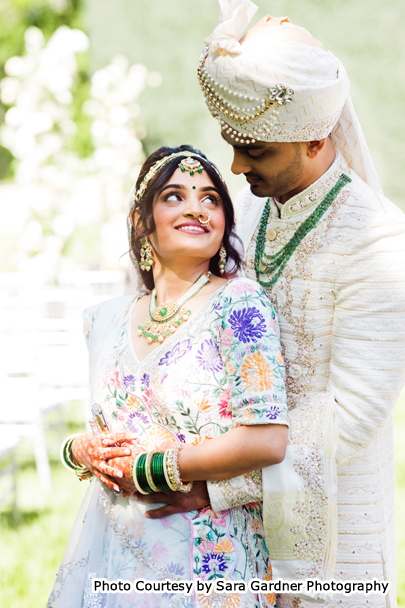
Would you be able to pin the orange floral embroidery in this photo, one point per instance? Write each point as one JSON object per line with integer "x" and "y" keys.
{"x": 132, "y": 402}
{"x": 256, "y": 373}
{"x": 222, "y": 600}
{"x": 280, "y": 359}
{"x": 270, "y": 597}
{"x": 202, "y": 405}
{"x": 200, "y": 439}
{"x": 256, "y": 525}
{"x": 248, "y": 414}
{"x": 224, "y": 546}
{"x": 136, "y": 529}
{"x": 231, "y": 369}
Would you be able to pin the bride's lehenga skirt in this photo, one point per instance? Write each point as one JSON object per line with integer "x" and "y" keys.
{"x": 112, "y": 539}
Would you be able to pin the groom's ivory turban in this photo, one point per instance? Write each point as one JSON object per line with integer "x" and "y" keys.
{"x": 277, "y": 83}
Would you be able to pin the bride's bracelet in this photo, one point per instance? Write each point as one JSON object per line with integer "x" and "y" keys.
{"x": 68, "y": 461}
{"x": 172, "y": 468}
{"x": 158, "y": 472}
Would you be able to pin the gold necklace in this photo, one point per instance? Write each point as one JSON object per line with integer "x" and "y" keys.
{"x": 165, "y": 319}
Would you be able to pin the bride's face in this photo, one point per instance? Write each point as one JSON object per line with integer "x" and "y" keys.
{"x": 176, "y": 210}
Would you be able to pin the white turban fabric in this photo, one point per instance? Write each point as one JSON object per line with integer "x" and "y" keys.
{"x": 277, "y": 83}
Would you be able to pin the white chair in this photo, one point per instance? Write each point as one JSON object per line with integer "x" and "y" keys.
{"x": 8, "y": 470}
{"x": 20, "y": 415}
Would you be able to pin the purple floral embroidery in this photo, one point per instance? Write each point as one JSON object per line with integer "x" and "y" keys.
{"x": 130, "y": 423}
{"x": 178, "y": 351}
{"x": 181, "y": 438}
{"x": 145, "y": 380}
{"x": 173, "y": 569}
{"x": 209, "y": 356}
{"x": 136, "y": 417}
{"x": 213, "y": 562}
{"x": 248, "y": 324}
{"x": 128, "y": 381}
{"x": 273, "y": 412}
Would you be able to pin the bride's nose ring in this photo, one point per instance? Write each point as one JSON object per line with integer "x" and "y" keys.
{"x": 205, "y": 222}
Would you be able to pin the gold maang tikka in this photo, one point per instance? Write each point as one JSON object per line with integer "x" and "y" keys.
{"x": 192, "y": 165}
{"x": 138, "y": 194}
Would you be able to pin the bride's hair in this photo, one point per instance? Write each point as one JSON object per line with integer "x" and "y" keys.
{"x": 145, "y": 223}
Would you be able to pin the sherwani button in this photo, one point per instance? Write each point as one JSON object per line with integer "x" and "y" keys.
{"x": 272, "y": 234}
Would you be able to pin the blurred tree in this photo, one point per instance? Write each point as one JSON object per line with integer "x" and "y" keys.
{"x": 47, "y": 15}
{"x": 167, "y": 36}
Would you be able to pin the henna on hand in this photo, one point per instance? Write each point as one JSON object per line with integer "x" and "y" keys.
{"x": 89, "y": 450}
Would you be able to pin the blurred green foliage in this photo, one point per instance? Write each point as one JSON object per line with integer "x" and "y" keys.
{"x": 47, "y": 15}
{"x": 167, "y": 36}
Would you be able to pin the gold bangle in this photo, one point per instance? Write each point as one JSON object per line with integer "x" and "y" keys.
{"x": 168, "y": 480}
{"x": 173, "y": 473}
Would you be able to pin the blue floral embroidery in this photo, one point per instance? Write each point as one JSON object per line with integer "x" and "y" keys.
{"x": 178, "y": 351}
{"x": 248, "y": 324}
{"x": 273, "y": 412}
{"x": 213, "y": 562}
{"x": 209, "y": 356}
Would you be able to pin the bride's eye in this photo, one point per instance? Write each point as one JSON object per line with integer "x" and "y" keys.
{"x": 172, "y": 197}
{"x": 211, "y": 200}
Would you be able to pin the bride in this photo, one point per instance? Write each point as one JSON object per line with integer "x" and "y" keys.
{"x": 187, "y": 386}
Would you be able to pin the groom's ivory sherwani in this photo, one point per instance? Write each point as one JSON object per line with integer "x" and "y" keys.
{"x": 341, "y": 307}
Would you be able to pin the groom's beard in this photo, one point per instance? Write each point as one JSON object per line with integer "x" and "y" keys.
{"x": 277, "y": 183}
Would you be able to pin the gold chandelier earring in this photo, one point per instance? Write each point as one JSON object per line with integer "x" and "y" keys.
{"x": 222, "y": 259}
{"x": 146, "y": 254}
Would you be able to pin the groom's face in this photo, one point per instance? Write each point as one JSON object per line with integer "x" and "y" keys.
{"x": 272, "y": 169}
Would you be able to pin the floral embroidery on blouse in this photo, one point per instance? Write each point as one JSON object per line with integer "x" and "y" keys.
{"x": 228, "y": 372}
{"x": 248, "y": 324}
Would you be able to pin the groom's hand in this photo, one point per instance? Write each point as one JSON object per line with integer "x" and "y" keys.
{"x": 176, "y": 502}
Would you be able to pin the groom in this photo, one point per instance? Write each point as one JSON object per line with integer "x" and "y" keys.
{"x": 328, "y": 248}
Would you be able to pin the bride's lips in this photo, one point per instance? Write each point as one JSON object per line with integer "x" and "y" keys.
{"x": 192, "y": 228}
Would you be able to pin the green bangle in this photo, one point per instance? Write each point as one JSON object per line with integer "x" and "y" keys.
{"x": 158, "y": 472}
{"x": 80, "y": 469}
{"x": 66, "y": 455}
{"x": 68, "y": 461}
{"x": 148, "y": 470}
{"x": 141, "y": 474}
{"x": 68, "y": 464}
{"x": 134, "y": 473}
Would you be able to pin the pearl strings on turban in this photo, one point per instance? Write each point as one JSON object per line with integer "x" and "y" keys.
{"x": 277, "y": 83}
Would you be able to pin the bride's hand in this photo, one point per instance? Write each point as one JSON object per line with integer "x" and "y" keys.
{"x": 90, "y": 450}
{"x": 123, "y": 464}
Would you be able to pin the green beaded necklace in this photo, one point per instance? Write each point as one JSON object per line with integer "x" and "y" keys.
{"x": 279, "y": 260}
